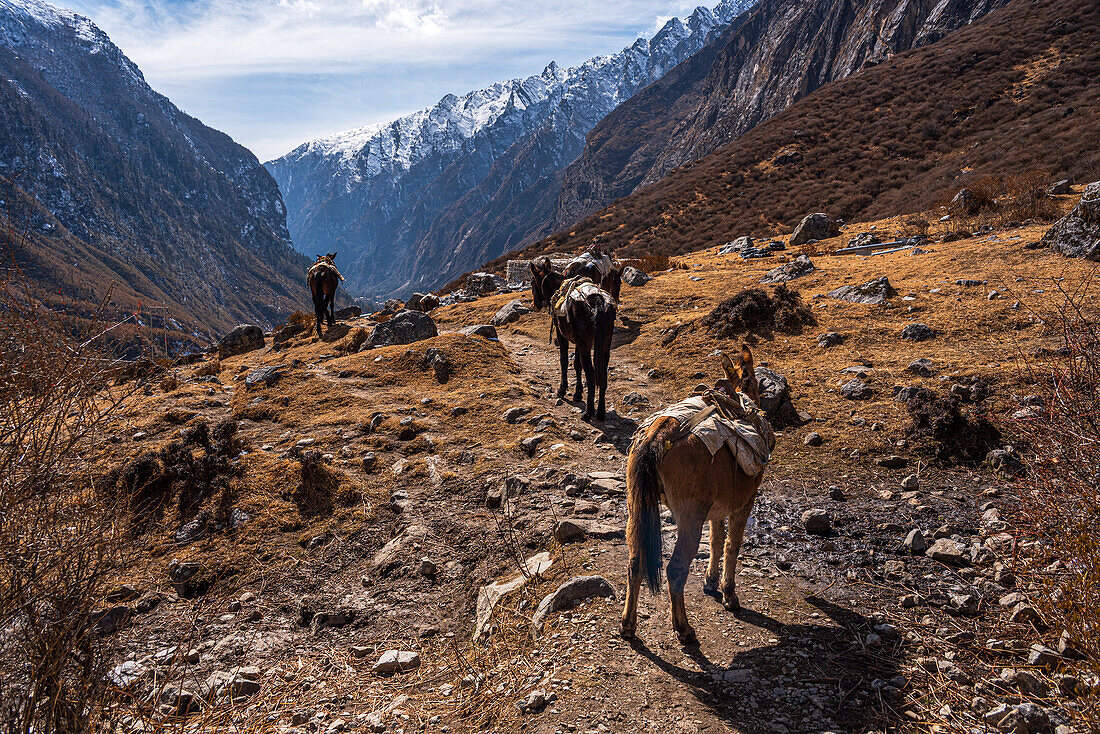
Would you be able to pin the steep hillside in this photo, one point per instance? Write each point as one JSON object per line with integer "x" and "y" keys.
{"x": 409, "y": 201}
{"x": 770, "y": 58}
{"x": 1012, "y": 94}
{"x": 113, "y": 190}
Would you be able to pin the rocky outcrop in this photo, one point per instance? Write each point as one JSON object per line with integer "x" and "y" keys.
{"x": 816, "y": 226}
{"x": 875, "y": 292}
{"x": 405, "y": 327}
{"x": 1078, "y": 233}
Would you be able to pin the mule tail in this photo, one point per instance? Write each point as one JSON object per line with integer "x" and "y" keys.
{"x": 643, "y": 488}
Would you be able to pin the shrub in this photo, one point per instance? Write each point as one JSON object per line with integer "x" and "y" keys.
{"x": 941, "y": 427}
{"x": 753, "y": 310}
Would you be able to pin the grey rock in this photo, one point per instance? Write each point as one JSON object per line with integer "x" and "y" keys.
{"x": 775, "y": 398}
{"x": 856, "y": 389}
{"x": 130, "y": 676}
{"x": 968, "y": 605}
{"x": 405, "y": 327}
{"x": 910, "y": 483}
{"x": 244, "y": 338}
{"x": 786, "y": 272}
{"x": 509, "y": 313}
{"x": 917, "y": 332}
{"x": 1041, "y": 656}
{"x": 396, "y": 661}
{"x": 948, "y": 552}
{"x": 1026, "y": 682}
{"x": 1026, "y": 614}
{"x": 570, "y": 531}
{"x": 1005, "y": 462}
{"x": 535, "y": 702}
{"x": 572, "y": 591}
{"x": 1060, "y": 188}
{"x": 969, "y": 282}
{"x": 634, "y": 398}
{"x": 531, "y": 444}
{"x": 921, "y": 367}
{"x": 1078, "y": 233}
{"x": 634, "y": 277}
{"x": 874, "y": 292}
{"x": 738, "y": 245}
{"x": 480, "y": 284}
{"x": 964, "y": 202}
{"x": 817, "y": 521}
{"x": 486, "y": 330}
{"x": 348, "y": 312}
{"x": 816, "y": 226}
{"x": 830, "y": 339}
{"x": 813, "y": 439}
{"x": 915, "y": 542}
{"x": 892, "y": 462}
{"x": 440, "y": 364}
{"x": 232, "y": 684}
{"x": 267, "y": 375}
{"x": 864, "y": 239}
{"x": 515, "y": 415}
{"x": 187, "y": 578}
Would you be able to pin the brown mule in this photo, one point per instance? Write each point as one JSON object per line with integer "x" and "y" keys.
{"x": 323, "y": 279}
{"x": 589, "y": 323}
{"x": 697, "y": 488}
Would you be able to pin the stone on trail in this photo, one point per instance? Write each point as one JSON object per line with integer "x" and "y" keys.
{"x": 915, "y": 542}
{"x": 948, "y": 552}
{"x": 813, "y": 439}
{"x": 570, "y": 531}
{"x": 244, "y": 338}
{"x": 816, "y": 226}
{"x": 486, "y": 330}
{"x": 634, "y": 277}
{"x": 856, "y": 389}
{"x": 267, "y": 375}
{"x": 920, "y": 367}
{"x": 817, "y": 521}
{"x": 874, "y": 292}
{"x": 509, "y": 313}
{"x": 1078, "y": 233}
{"x": 491, "y": 594}
{"x": 405, "y": 327}
{"x": 775, "y": 398}
{"x": 800, "y": 266}
{"x": 1041, "y": 656}
{"x": 574, "y": 590}
{"x": 396, "y": 661}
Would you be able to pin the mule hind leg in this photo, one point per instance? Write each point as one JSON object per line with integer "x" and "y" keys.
{"x": 578, "y": 368}
{"x": 738, "y": 518}
{"x": 331, "y": 308}
{"x": 590, "y": 379}
{"x": 319, "y": 311}
{"x": 629, "y": 623}
{"x": 717, "y": 548}
{"x": 563, "y": 357}
{"x": 689, "y": 530}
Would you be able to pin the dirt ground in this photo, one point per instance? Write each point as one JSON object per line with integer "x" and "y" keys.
{"x": 390, "y": 552}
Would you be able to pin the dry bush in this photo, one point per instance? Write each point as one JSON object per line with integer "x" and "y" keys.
{"x": 1064, "y": 497}
{"x": 941, "y": 427}
{"x": 353, "y": 341}
{"x": 301, "y": 318}
{"x": 753, "y": 310}
{"x": 208, "y": 368}
{"x": 58, "y": 543}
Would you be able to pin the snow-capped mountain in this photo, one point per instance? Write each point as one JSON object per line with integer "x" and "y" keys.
{"x": 120, "y": 192}
{"x": 398, "y": 200}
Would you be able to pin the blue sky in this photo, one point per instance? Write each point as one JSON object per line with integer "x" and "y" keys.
{"x": 275, "y": 73}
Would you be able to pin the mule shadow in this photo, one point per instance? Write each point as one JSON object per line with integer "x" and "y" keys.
{"x": 626, "y": 332}
{"x": 832, "y": 675}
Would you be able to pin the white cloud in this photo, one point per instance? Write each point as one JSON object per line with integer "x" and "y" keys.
{"x": 266, "y": 49}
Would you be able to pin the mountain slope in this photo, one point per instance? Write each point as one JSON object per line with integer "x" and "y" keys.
{"x": 119, "y": 192}
{"x": 403, "y": 200}
{"x": 1012, "y": 94}
{"x": 771, "y": 57}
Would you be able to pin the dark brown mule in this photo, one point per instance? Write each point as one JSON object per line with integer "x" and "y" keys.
{"x": 612, "y": 282}
{"x": 697, "y": 488}
{"x": 323, "y": 279}
{"x": 589, "y": 323}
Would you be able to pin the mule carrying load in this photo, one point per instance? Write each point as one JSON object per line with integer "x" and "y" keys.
{"x": 323, "y": 278}
{"x": 704, "y": 458}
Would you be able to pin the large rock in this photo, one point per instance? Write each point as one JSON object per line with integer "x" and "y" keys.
{"x": 491, "y": 594}
{"x": 348, "y": 312}
{"x": 244, "y": 338}
{"x": 796, "y": 268}
{"x": 816, "y": 226}
{"x": 817, "y": 521}
{"x": 634, "y": 277}
{"x": 948, "y": 552}
{"x": 1078, "y": 233}
{"x": 405, "y": 327}
{"x": 423, "y": 302}
{"x": 917, "y": 332}
{"x": 775, "y": 398}
{"x": 397, "y": 661}
{"x": 572, "y": 591}
{"x": 509, "y": 313}
{"x": 480, "y": 283}
{"x": 856, "y": 389}
{"x": 486, "y": 330}
{"x": 875, "y": 292}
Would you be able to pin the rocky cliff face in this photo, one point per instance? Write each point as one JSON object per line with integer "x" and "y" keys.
{"x": 116, "y": 191}
{"x": 770, "y": 57}
{"x": 417, "y": 201}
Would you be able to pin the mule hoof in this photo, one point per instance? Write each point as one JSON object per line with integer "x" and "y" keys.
{"x": 710, "y": 588}
{"x": 577, "y": 397}
{"x": 561, "y": 392}
{"x": 626, "y": 631}
{"x": 730, "y": 602}
{"x": 687, "y": 637}
{"x": 600, "y": 415}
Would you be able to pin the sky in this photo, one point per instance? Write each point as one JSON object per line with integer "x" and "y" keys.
{"x": 276, "y": 73}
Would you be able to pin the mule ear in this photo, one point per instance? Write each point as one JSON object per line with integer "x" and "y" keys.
{"x": 746, "y": 359}
{"x": 733, "y": 371}
{"x": 333, "y": 256}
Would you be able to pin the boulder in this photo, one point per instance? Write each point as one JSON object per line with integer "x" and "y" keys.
{"x": 480, "y": 283}
{"x": 874, "y": 292}
{"x": 1078, "y": 233}
{"x": 917, "y": 332}
{"x": 1060, "y": 188}
{"x": 738, "y": 245}
{"x": 830, "y": 339}
{"x": 775, "y": 398}
{"x": 634, "y": 277}
{"x": 948, "y": 552}
{"x": 816, "y": 226}
{"x": 267, "y": 375}
{"x": 244, "y": 338}
{"x": 570, "y": 531}
{"x": 856, "y": 389}
{"x": 509, "y": 313}
{"x": 440, "y": 364}
{"x": 572, "y": 591}
{"x": 423, "y": 302}
{"x": 485, "y": 330}
{"x": 920, "y": 367}
{"x": 405, "y": 327}
{"x": 864, "y": 239}
{"x": 796, "y": 268}
{"x": 349, "y": 312}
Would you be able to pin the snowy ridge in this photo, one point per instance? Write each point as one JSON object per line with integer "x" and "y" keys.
{"x": 388, "y": 147}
